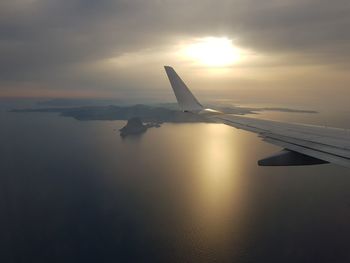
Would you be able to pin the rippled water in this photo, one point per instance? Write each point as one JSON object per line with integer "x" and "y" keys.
{"x": 73, "y": 191}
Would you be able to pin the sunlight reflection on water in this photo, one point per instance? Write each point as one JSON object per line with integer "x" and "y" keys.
{"x": 180, "y": 193}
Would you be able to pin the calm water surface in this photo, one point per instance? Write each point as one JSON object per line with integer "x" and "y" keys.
{"x": 73, "y": 191}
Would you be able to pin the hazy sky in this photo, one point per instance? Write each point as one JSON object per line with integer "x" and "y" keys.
{"x": 289, "y": 50}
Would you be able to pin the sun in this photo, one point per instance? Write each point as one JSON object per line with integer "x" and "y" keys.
{"x": 212, "y": 51}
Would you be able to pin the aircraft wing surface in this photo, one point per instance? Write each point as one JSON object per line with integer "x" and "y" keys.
{"x": 302, "y": 144}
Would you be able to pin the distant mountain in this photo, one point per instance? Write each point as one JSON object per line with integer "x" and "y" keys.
{"x": 164, "y": 113}
{"x": 77, "y": 102}
{"x": 146, "y": 113}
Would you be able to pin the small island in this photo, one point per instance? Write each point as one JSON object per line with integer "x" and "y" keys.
{"x": 135, "y": 126}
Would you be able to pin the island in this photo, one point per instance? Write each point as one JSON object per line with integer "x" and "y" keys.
{"x": 135, "y": 126}
{"x": 147, "y": 113}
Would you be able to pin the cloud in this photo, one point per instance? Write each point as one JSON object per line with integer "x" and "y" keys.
{"x": 69, "y": 44}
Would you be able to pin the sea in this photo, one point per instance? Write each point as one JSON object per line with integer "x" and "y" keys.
{"x": 75, "y": 191}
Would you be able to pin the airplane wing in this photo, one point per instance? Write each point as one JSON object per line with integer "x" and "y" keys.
{"x": 302, "y": 144}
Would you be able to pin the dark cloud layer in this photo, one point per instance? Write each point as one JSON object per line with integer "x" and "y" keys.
{"x": 51, "y": 42}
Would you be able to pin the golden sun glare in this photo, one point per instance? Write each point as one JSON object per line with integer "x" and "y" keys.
{"x": 212, "y": 51}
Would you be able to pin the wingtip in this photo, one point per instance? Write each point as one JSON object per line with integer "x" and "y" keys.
{"x": 168, "y": 67}
{"x": 183, "y": 95}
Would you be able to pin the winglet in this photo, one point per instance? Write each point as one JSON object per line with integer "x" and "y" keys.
{"x": 184, "y": 96}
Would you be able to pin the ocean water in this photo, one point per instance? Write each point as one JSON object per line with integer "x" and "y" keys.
{"x": 74, "y": 191}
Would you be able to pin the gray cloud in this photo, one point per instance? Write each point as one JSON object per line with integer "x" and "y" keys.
{"x": 51, "y": 41}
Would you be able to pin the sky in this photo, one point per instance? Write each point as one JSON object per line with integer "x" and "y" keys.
{"x": 248, "y": 51}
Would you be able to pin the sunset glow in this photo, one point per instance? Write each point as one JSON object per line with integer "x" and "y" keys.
{"x": 212, "y": 51}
